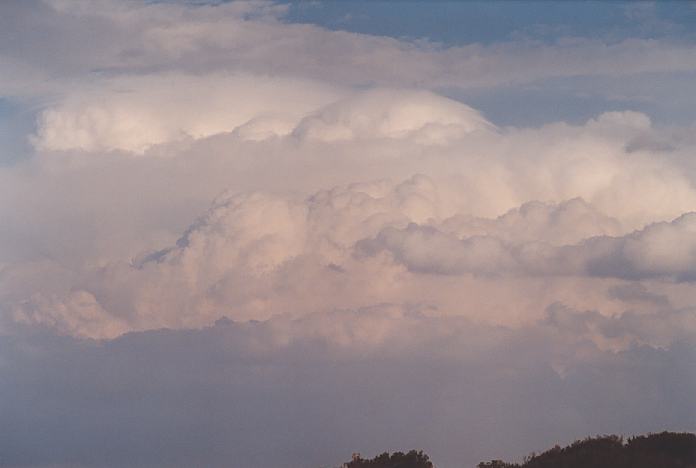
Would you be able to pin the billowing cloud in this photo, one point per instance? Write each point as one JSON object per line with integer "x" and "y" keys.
{"x": 255, "y": 255}
{"x": 421, "y": 116}
{"x": 135, "y": 113}
{"x": 660, "y": 250}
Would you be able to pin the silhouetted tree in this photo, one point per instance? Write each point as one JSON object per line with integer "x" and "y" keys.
{"x": 412, "y": 459}
{"x": 495, "y": 464}
{"x": 664, "y": 450}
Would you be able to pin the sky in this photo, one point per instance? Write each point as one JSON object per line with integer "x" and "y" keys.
{"x": 274, "y": 234}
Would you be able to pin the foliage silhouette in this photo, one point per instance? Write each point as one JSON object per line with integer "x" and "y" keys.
{"x": 663, "y": 450}
{"x": 412, "y": 459}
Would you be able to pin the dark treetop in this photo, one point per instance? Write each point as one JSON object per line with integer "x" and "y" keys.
{"x": 664, "y": 450}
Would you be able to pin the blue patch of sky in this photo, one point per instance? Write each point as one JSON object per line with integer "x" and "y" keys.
{"x": 456, "y": 23}
{"x": 668, "y": 98}
{"x": 532, "y": 106}
{"x": 16, "y": 122}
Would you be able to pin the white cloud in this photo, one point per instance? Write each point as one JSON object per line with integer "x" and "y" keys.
{"x": 421, "y": 116}
{"x": 565, "y": 223}
{"x": 135, "y": 113}
{"x": 256, "y": 255}
{"x": 487, "y": 204}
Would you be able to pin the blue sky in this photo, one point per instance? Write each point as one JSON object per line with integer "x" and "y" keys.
{"x": 457, "y": 23}
{"x": 489, "y": 22}
{"x": 16, "y": 122}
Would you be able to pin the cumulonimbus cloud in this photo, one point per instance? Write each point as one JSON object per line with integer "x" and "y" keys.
{"x": 232, "y": 222}
{"x": 254, "y": 256}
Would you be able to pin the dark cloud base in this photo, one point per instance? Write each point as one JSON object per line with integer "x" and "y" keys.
{"x": 225, "y": 396}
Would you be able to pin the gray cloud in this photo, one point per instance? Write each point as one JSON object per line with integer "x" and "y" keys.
{"x": 234, "y": 394}
{"x": 661, "y": 250}
{"x": 135, "y": 37}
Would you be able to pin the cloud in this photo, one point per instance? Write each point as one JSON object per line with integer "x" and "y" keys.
{"x": 134, "y": 113}
{"x": 77, "y": 314}
{"x": 628, "y": 329}
{"x": 230, "y": 224}
{"x": 564, "y": 223}
{"x": 255, "y": 255}
{"x": 478, "y": 173}
{"x": 139, "y": 38}
{"x": 660, "y": 250}
{"x": 422, "y": 116}
{"x": 173, "y": 398}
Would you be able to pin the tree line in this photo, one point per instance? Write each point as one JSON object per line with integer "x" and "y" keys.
{"x": 663, "y": 450}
